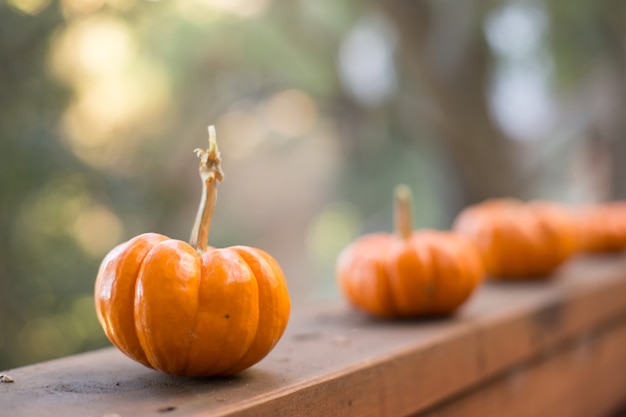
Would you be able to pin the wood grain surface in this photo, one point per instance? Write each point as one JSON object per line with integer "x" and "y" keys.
{"x": 334, "y": 361}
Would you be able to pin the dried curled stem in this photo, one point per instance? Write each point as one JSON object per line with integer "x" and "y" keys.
{"x": 403, "y": 219}
{"x": 210, "y": 173}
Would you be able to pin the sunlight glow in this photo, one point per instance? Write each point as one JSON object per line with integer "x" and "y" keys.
{"x": 108, "y": 117}
{"x": 291, "y": 113}
{"x": 123, "y": 5}
{"x": 200, "y": 11}
{"x": 240, "y": 133}
{"x": 94, "y": 47}
{"x": 31, "y": 7}
{"x": 366, "y": 65}
{"x": 332, "y": 230}
{"x": 51, "y": 210}
{"x": 515, "y": 31}
{"x": 119, "y": 96}
{"x": 81, "y": 7}
{"x": 520, "y": 99}
{"x": 97, "y": 229}
{"x": 64, "y": 208}
{"x": 242, "y": 8}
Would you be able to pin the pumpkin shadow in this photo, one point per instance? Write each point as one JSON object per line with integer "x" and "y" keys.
{"x": 217, "y": 380}
{"x": 245, "y": 377}
{"x": 534, "y": 281}
{"x": 429, "y": 319}
{"x": 364, "y": 318}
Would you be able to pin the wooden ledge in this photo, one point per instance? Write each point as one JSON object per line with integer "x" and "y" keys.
{"x": 334, "y": 361}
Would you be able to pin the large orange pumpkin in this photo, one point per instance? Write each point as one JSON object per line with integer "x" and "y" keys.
{"x": 519, "y": 240}
{"x": 409, "y": 273}
{"x": 190, "y": 309}
{"x": 602, "y": 227}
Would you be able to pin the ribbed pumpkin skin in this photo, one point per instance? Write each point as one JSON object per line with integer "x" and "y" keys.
{"x": 430, "y": 273}
{"x": 602, "y": 227}
{"x": 519, "y": 240}
{"x": 171, "y": 309}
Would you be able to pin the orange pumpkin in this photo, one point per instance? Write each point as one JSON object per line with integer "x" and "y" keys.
{"x": 409, "y": 273}
{"x": 519, "y": 240}
{"x": 602, "y": 227}
{"x": 190, "y": 309}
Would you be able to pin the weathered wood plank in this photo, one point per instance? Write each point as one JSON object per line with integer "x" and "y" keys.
{"x": 334, "y": 361}
{"x": 584, "y": 378}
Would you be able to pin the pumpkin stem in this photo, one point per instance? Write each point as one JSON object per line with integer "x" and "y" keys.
{"x": 403, "y": 218}
{"x": 210, "y": 174}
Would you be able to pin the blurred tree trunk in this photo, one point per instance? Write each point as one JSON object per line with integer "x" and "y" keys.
{"x": 608, "y": 24}
{"x": 615, "y": 26}
{"x": 588, "y": 44}
{"x": 619, "y": 171}
{"x": 447, "y": 63}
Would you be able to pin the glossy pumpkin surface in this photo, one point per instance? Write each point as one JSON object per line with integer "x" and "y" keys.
{"x": 409, "y": 273}
{"x": 190, "y": 309}
{"x": 172, "y": 309}
{"x": 519, "y": 240}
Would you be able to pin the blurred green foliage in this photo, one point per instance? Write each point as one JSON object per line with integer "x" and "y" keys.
{"x": 321, "y": 108}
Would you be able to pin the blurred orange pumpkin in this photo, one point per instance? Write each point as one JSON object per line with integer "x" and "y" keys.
{"x": 519, "y": 240}
{"x": 602, "y": 227}
{"x": 409, "y": 273}
{"x": 190, "y": 309}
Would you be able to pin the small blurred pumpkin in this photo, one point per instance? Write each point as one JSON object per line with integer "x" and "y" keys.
{"x": 190, "y": 309}
{"x": 602, "y": 227}
{"x": 409, "y": 273}
{"x": 519, "y": 240}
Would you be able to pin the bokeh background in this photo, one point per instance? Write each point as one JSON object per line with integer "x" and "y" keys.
{"x": 321, "y": 107}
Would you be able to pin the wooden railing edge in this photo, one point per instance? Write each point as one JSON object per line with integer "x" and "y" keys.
{"x": 338, "y": 362}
